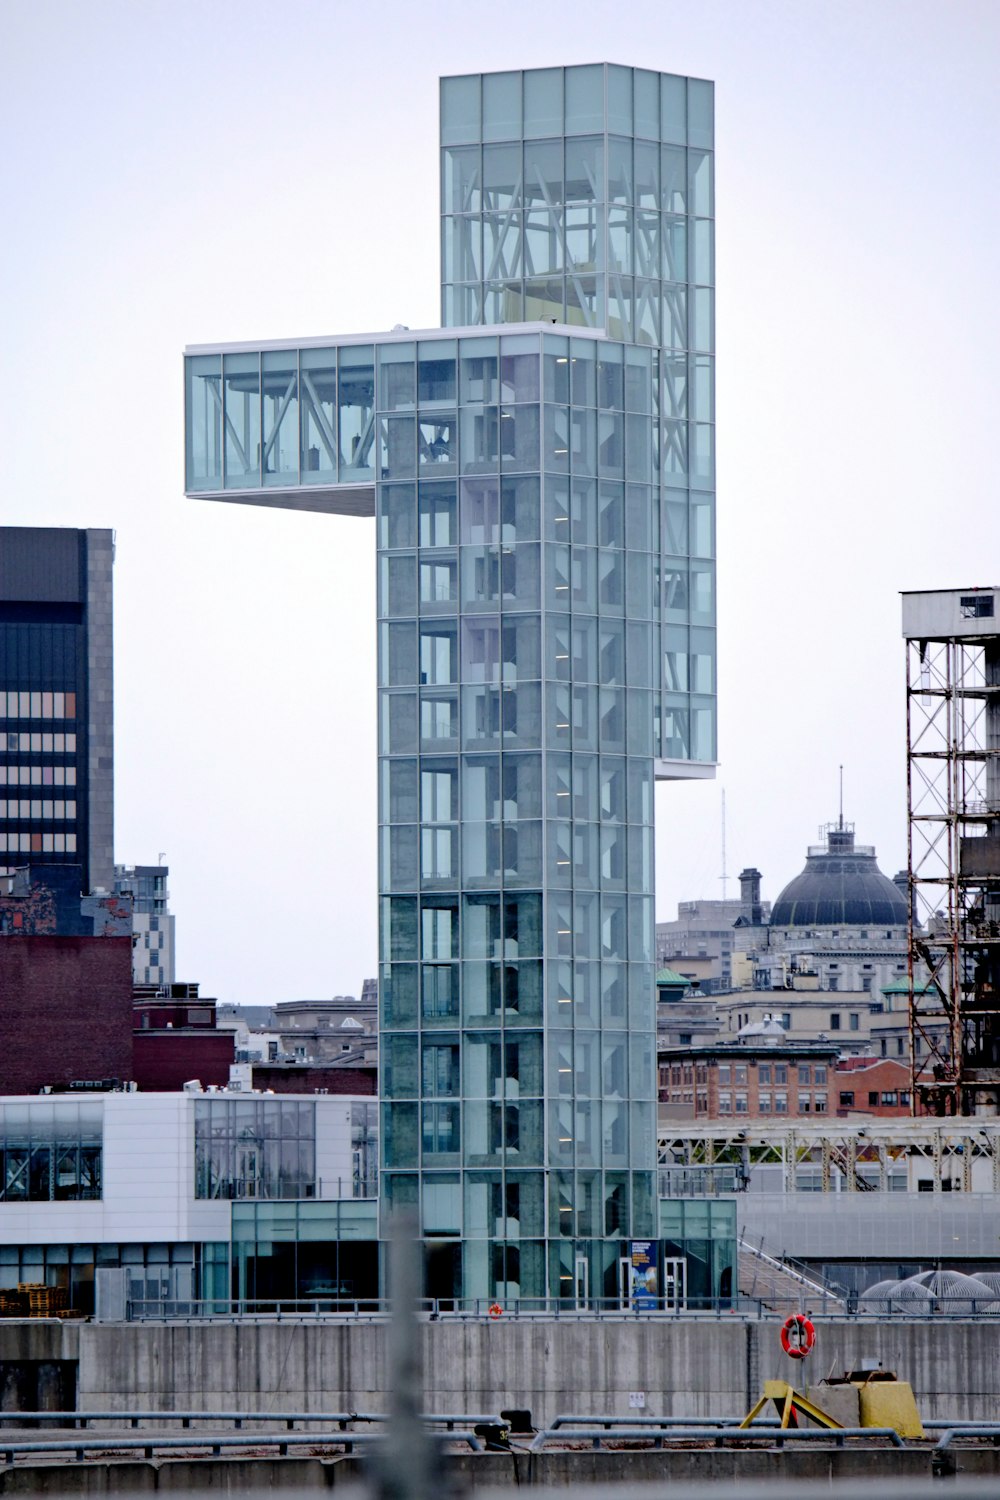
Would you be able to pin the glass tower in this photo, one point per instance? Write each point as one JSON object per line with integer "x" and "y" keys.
{"x": 541, "y": 471}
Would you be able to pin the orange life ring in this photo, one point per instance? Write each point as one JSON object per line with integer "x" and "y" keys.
{"x": 496, "y": 1311}
{"x": 797, "y": 1336}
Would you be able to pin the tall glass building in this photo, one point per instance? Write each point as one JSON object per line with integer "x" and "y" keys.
{"x": 541, "y": 473}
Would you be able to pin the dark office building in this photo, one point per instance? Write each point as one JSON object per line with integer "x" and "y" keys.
{"x": 56, "y": 734}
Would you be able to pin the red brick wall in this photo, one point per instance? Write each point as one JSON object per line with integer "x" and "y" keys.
{"x": 307, "y": 1080}
{"x": 880, "y": 1076}
{"x": 166, "y": 1060}
{"x": 65, "y": 1011}
{"x": 691, "y": 1088}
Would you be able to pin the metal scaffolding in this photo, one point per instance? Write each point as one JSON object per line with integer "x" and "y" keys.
{"x": 857, "y": 1155}
{"x": 953, "y": 841}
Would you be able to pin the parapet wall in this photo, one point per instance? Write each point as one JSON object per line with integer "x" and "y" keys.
{"x": 687, "y": 1367}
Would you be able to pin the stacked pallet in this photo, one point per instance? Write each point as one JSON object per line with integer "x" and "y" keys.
{"x": 33, "y": 1299}
{"x": 43, "y": 1300}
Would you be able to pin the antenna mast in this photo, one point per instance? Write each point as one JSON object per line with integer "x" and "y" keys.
{"x": 724, "y": 876}
{"x": 841, "y": 799}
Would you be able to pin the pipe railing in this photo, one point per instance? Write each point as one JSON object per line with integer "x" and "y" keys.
{"x": 80, "y": 1447}
{"x": 719, "y": 1436}
{"x": 340, "y": 1419}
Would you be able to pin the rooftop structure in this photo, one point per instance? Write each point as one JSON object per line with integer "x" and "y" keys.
{"x": 541, "y": 471}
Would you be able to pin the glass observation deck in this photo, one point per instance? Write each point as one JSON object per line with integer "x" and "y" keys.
{"x": 312, "y": 424}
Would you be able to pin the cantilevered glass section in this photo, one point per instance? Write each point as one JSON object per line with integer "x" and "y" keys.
{"x": 541, "y": 475}
{"x": 283, "y": 425}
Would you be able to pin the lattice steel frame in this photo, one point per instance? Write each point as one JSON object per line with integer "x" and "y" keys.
{"x": 951, "y": 787}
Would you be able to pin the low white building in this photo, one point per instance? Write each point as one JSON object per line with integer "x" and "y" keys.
{"x": 198, "y": 1179}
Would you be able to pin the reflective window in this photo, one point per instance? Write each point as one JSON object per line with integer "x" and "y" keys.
{"x": 50, "y": 1152}
{"x": 255, "y": 1148}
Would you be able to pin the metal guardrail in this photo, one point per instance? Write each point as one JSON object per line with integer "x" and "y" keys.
{"x": 748, "y": 1308}
{"x": 941, "y": 1424}
{"x": 966, "y": 1430}
{"x": 719, "y": 1436}
{"x": 815, "y": 1283}
{"x": 584, "y": 1421}
{"x": 82, "y": 1419}
{"x": 80, "y": 1447}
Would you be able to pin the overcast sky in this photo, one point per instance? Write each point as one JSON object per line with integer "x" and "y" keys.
{"x": 177, "y": 172}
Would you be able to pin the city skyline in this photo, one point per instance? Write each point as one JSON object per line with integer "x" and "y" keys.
{"x": 144, "y": 226}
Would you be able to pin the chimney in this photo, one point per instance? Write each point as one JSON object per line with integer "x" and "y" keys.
{"x": 750, "y": 896}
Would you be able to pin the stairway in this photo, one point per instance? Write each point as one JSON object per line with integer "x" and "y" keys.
{"x": 780, "y": 1287}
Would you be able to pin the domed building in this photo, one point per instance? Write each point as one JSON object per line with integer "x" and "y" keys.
{"x": 838, "y": 925}
{"x": 840, "y": 887}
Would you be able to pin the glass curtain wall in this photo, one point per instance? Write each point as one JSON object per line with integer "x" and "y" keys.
{"x": 517, "y": 534}
{"x": 586, "y": 196}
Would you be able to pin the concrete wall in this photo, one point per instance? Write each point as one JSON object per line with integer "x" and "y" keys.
{"x": 684, "y": 1368}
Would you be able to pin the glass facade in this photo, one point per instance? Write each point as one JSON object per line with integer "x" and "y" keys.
{"x": 543, "y": 473}
{"x": 585, "y": 196}
{"x": 50, "y": 1152}
{"x": 322, "y": 1251}
{"x": 516, "y": 806}
{"x": 255, "y": 1148}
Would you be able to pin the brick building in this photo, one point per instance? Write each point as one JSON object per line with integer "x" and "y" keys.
{"x": 872, "y": 1086}
{"x": 65, "y": 1011}
{"x": 176, "y": 1039}
{"x": 756, "y": 1079}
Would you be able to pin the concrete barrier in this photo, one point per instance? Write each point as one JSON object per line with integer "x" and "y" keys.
{"x": 194, "y": 1478}
{"x": 688, "y": 1368}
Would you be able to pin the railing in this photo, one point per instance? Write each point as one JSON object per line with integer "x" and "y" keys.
{"x": 719, "y": 1436}
{"x": 811, "y": 1281}
{"x": 150, "y": 1445}
{"x": 265, "y": 1190}
{"x": 819, "y": 1302}
{"x": 343, "y": 1420}
{"x": 701, "y": 1182}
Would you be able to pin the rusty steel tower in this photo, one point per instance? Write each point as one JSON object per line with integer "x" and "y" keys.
{"x": 953, "y": 796}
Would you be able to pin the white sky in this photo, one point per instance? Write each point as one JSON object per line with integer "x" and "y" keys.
{"x": 177, "y": 172}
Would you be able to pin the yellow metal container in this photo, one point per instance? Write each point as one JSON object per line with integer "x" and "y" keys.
{"x": 890, "y": 1403}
